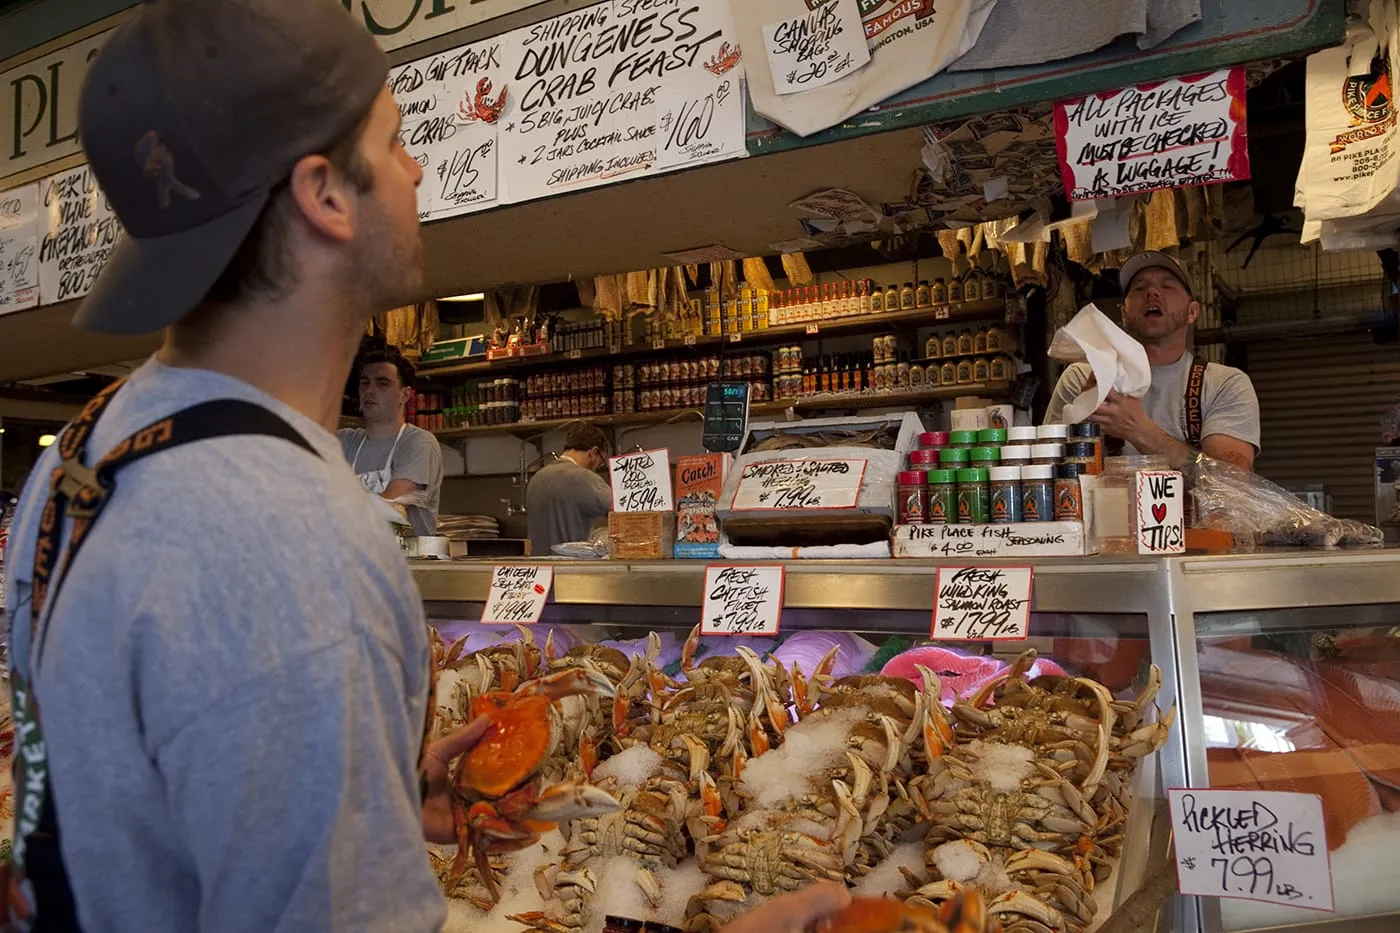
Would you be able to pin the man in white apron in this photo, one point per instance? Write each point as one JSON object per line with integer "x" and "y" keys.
{"x": 397, "y": 461}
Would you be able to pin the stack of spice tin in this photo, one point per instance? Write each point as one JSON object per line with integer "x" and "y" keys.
{"x": 999, "y": 476}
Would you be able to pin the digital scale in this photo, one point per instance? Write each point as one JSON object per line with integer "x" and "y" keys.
{"x": 726, "y": 416}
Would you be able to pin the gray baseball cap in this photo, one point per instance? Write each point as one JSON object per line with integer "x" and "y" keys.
{"x": 1151, "y": 259}
{"x": 191, "y": 114}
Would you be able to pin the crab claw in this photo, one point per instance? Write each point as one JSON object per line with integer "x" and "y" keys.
{"x": 569, "y": 800}
{"x": 569, "y": 683}
{"x": 938, "y": 732}
{"x": 692, "y": 642}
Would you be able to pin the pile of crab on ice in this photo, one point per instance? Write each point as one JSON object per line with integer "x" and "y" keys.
{"x": 681, "y": 782}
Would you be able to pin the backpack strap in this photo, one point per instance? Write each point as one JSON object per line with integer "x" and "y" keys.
{"x": 39, "y": 895}
{"x": 1195, "y": 410}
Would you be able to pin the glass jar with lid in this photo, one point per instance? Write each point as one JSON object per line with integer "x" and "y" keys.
{"x": 1114, "y": 516}
{"x": 922, "y": 298}
{"x": 938, "y": 294}
{"x": 955, "y": 290}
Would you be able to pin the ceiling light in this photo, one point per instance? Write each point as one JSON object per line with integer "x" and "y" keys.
{"x": 474, "y": 296}
{"x": 47, "y": 440}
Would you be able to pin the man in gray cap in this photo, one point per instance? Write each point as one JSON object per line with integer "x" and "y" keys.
{"x": 224, "y": 639}
{"x": 1191, "y": 406}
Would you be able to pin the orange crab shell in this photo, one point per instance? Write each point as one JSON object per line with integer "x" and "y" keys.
{"x": 963, "y": 914}
{"x": 519, "y": 737}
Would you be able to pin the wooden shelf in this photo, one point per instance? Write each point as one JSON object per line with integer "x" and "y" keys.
{"x": 831, "y": 327}
{"x": 896, "y": 399}
{"x": 634, "y": 418}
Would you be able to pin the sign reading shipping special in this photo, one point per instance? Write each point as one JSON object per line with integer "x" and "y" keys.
{"x": 1160, "y": 503}
{"x": 1170, "y": 134}
{"x": 820, "y": 44}
{"x": 641, "y": 481}
{"x": 742, "y": 600}
{"x": 79, "y": 230}
{"x": 518, "y": 594}
{"x": 19, "y": 248}
{"x": 774, "y": 485}
{"x": 982, "y": 604}
{"x": 1253, "y": 845}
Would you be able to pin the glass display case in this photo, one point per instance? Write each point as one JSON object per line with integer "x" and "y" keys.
{"x": 1284, "y": 672}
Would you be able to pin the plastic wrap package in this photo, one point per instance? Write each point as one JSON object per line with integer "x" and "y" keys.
{"x": 595, "y": 548}
{"x": 1253, "y": 509}
{"x": 481, "y": 636}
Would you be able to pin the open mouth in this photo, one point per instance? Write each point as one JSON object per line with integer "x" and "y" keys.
{"x": 1152, "y": 312}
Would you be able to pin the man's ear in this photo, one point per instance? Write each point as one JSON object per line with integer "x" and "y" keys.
{"x": 1193, "y": 311}
{"x": 322, "y": 198}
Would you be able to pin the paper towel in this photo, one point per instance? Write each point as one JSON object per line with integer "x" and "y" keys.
{"x": 1118, "y": 361}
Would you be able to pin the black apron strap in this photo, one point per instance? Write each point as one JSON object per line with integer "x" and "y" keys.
{"x": 1195, "y": 412}
{"x": 40, "y": 896}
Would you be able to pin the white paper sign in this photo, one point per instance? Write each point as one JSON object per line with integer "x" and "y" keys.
{"x": 518, "y": 594}
{"x": 19, "y": 249}
{"x": 742, "y": 600}
{"x": 1018, "y": 540}
{"x": 1160, "y": 502}
{"x": 1175, "y": 133}
{"x": 1253, "y": 845}
{"x": 815, "y": 47}
{"x": 799, "y": 484}
{"x": 79, "y": 231}
{"x": 982, "y": 604}
{"x": 699, "y": 120}
{"x": 641, "y": 482}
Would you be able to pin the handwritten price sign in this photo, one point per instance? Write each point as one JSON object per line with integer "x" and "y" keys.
{"x": 518, "y": 594}
{"x": 817, "y": 47}
{"x": 982, "y": 604}
{"x": 1160, "y": 502}
{"x": 799, "y": 484}
{"x": 1252, "y": 845}
{"x": 19, "y": 249}
{"x": 641, "y": 482}
{"x": 742, "y": 600}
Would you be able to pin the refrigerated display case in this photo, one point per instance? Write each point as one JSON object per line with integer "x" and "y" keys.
{"x": 1265, "y": 657}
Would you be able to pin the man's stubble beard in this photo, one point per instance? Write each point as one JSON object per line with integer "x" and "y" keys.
{"x": 386, "y": 264}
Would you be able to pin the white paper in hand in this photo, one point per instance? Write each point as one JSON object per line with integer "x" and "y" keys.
{"x": 1118, "y": 361}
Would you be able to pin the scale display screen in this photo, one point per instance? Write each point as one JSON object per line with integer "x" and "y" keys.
{"x": 726, "y": 416}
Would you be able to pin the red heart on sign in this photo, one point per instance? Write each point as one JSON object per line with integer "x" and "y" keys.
{"x": 539, "y": 589}
{"x": 1159, "y": 511}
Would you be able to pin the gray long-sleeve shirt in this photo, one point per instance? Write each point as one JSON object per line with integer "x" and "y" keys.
{"x": 232, "y": 687}
{"x": 561, "y": 504}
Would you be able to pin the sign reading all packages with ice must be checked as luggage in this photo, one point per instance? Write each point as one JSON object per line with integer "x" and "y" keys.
{"x": 1171, "y": 134}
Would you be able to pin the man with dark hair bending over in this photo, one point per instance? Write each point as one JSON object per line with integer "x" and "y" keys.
{"x": 566, "y": 497}
{"x": 394, "y": 460}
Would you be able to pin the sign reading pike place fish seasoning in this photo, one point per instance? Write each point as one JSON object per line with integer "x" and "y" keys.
{"x": 518, "y": 594}
{"x": 982, "y": 604}
{"x": 776, "y": 485}
{"x": 818, "y": 44}
{"x": 742, "y": 600}
{"x": 1170, "y": 134}
{"x": 641, "y": 481}
{"x": 1252, "y": 845}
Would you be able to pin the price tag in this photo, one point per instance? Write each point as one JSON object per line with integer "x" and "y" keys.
{"x": 1254, "y": 845}
{"x": 942, "y": 314}
{"x": 799, "y": 484}
{"x": 813, "y": 329}
{"x": 658, "y": 343}
{"x": 641, "y": 482}
{"x": 1160, "y": 498}
{"x": 982, "y": 604}
{"x": 575, "y": 354}
{"x": 690, "y": 340}
{"x": 735, "y": 337}
{"x": 615, "y": 348}
{"x": 742, "y": 600}
{"x": 518, "y": 594}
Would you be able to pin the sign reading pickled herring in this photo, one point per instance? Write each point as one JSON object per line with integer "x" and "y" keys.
{"x": 1172, "y": 134}
{"x": 799, "y": 484}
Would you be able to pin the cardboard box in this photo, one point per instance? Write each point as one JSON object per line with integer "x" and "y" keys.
{"x": 641, "y": 535}
{"x": 699, "y": 482}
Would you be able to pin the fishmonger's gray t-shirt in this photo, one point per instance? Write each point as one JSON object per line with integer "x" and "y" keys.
{"x": 561, "y": 504}
{"x": 417, "y": 458}
{"x": 233, "y": 686}
{"x": 1229, "y": 405}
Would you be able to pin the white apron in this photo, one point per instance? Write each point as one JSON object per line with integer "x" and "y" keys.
{"x": 376, "y": 481}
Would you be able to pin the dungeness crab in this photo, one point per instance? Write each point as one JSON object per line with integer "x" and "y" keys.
{"x": 965, "y": 912}
{"x": 501, "y": 800}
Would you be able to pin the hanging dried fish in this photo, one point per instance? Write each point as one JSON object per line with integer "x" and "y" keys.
{"x": 607, "y": 301}
{"x": 587, "y": 292}
{"x": 797, "y": 270}
{"x": 641, "y": 290}
{"x": 948, "y": 242}
{"x": 756, "y": 274}
{"x": 1162, "y": 232}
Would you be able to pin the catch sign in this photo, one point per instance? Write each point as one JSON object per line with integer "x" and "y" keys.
{"x": 1160, "y": 502}
{"x": 815, "y": 47}
{"x": 1254, "y": 845}
{"x": 641, "y": 481}
{"x": 518, "y": 594}
{"x": 799, "y": 484}
{"x": 982, "y": 604}
{"x": 1172, "y": 134}
{"x": 742, "y": 600}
